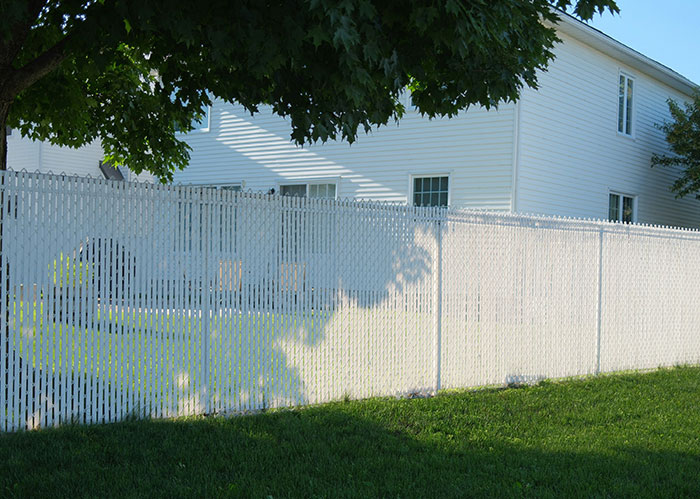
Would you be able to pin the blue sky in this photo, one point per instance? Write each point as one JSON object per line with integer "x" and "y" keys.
{"x": 668, "y": 31}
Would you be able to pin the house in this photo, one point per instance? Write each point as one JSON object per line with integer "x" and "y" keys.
{"x": 34, "y": 155}
{"x": 579, "y": 146}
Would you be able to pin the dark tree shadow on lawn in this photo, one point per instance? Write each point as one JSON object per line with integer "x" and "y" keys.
{"x": 329, "y": 451}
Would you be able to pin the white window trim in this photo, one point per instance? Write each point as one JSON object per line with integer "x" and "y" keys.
{"x": 635, "y": 202}
{"x": 407, "y": 101}
{"x": 240, "y": 184}
{"x": 635, "y": 93}
{"x": 308, "y": 182}
{"x": 208, "y": 118}
{"x": 413, "y": 176}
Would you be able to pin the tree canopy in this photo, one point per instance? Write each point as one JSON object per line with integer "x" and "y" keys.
{"x": 683, "y": 137}
{"x": 132, "y": 72}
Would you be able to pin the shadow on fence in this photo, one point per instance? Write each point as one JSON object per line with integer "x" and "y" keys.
{"x": 245, "y": 361}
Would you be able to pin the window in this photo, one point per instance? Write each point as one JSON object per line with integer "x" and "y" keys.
{"x": 317, "y": 191}
{"x": 226, "y": 187}
{"x": 621, "y": 208}
{"x": 326, "y": 191}
{"x": 625, "y": 105}
{"x": 430, "y": 191}
{"x": 293, "y": 190}
{"x": 406, "y": 99}
{"x": 8, "y": 131}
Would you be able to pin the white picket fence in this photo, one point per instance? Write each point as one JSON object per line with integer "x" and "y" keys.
{"x": 143, "y": 300}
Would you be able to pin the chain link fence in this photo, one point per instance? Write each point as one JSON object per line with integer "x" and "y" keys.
{"x": 140, "y": 300}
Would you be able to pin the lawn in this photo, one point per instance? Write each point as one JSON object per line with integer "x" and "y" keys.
{"x": 629, "y": 435}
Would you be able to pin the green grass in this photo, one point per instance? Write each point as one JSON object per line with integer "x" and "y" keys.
{"x": 624, "y": 435}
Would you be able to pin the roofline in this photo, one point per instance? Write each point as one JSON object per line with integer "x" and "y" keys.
{"x": 611, "y": 47}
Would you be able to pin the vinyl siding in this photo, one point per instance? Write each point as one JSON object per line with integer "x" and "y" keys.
{"x": 475, "y": 149}
{"x": 26, "y": 154}
{"x": 82, "y": 161}
{"x": 22, "y": 154}
{"x": 571, "y": 155}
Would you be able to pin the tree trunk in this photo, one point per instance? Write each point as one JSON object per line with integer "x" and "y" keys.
{"x": 4, "y": 112}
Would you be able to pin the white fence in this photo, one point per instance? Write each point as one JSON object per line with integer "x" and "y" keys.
{"x": 153, "y": 301}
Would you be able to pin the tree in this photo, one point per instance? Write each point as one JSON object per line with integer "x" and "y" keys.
{"x": 131, "y": 72}
{"x": 683, "y": 137}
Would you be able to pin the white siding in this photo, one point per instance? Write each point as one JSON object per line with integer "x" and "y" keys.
{"x": 82, "y": 161}
{"x": 571, "y": 155}
{"x": 475, "y": 149}
{"x": 22, "y": 154}
{"x": 33, "y": 156}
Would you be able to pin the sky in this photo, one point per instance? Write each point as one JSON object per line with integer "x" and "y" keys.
{"x": 667, "y": 31}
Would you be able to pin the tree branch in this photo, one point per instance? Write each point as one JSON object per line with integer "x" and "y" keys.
{"x": 33, "y": 71}
{"x": 20, "y": 31}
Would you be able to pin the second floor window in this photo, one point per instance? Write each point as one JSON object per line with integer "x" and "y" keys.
{"x": 625, "y": 105}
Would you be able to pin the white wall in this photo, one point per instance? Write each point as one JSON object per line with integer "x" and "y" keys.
{"x": 571, "y": 155}
{"x": 475, "y": 149}
{"x": 22, "y": 154}
{"x": 26, "y": 154}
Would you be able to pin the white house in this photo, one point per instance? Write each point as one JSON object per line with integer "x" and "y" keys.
{"x": 33, "y": 156}
{"x": 578, "y": 146}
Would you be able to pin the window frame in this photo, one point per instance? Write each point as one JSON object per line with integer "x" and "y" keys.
{"x": 411, "y": 183}
{"x": 224, "y": 185}
{"x": 622, "y": 196}
{"x": 629, "y": 111}
{"x": 307, "y": 183}
{"x": 406, "y": 99}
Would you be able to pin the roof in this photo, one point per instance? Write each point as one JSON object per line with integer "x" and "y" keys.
{"x": 611, "y": 47}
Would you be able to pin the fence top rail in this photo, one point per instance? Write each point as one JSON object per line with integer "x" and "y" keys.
{"x": 44, "y": 182}
{"x": 479, "y": 217}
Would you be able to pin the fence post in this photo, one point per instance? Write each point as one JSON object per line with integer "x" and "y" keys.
{"x": 206, "y": 241}
{"x": 437, "y": 290}
{"x": 599, "y": 304}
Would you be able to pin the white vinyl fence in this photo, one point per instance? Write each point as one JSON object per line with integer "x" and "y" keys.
{"x": 136, "y": 300}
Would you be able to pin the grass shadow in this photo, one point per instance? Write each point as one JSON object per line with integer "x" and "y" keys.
{"x": 591, "y": 438}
